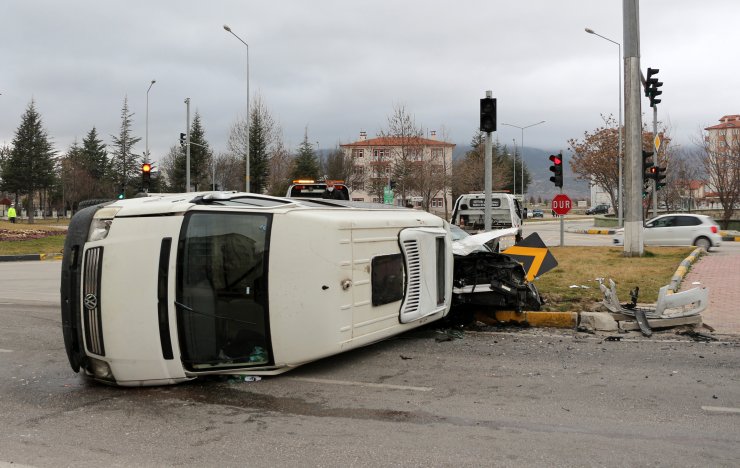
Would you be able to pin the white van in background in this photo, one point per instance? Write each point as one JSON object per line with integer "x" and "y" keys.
{"x": 469, "y": 210}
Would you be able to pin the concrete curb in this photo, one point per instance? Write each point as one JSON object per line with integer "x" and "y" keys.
{"x": 592, "y": 231}
{"x": 531, "y": 319}
{"x": 30, "y": 257}
{"x": 683, "y": 268}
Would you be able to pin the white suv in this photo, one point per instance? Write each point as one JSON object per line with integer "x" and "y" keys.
{"x": 679, "y": 229}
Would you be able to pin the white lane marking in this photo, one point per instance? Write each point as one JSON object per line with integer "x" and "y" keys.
{"x": 363, "y": 384}
{"x": 720, "y": 409}
{"x": 6, "y": 350}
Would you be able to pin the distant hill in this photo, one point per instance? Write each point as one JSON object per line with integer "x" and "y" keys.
{"x": 538, "y": 164}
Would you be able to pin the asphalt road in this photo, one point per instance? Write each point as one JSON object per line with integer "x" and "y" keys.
{"x": 491, "y": 398}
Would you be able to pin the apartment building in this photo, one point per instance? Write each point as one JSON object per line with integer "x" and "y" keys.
{"x": 375, "y": 161}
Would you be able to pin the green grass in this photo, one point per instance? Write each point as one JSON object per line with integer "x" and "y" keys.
{"x": 51, "y": 237}
{"x": 580, "y": 266}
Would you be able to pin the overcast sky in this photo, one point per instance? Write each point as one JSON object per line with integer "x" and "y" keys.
{"x": 338, "y": 67}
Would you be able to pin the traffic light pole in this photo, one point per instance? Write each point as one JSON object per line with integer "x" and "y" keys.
{"x": 187, "y": 147}
{"x": 657, "y": 164}
{"x": 488, "y": 174}
{"x": 633, "y": 225}
{"x": 562, "y": 226}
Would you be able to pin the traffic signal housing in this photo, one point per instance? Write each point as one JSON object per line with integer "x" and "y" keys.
{"x": 651, "y": 86}
{"x": 182, "y": 140}
{"x": 122, "y": 192}
{"x": 557, "y": 170}
{"x": 647, "y": 164}
{"x": 488, "y": 115}
{"x": 659, "y": 177}
{"x": 146, "y": 173}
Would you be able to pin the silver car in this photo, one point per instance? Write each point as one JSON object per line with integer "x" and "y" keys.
{"x": 679, "y": 229}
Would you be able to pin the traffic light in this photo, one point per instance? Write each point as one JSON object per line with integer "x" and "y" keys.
{"x": 647, "y": 164}
{"x": 182, "y": 140}
{"x": 651, "y": 86}
{"x": 146, "y": 172}
{"x": 659, "y": 177}
{"x": 488, "y": 115}
{"x": 122, "y": 192}
{"x": 392, "y": 184}
{"x": 557, "y": 170}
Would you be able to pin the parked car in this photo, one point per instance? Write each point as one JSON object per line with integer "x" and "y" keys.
{"x": 538, "y": 213}
{"x": 598, "y": 209}
{"x": 679, "y": 229}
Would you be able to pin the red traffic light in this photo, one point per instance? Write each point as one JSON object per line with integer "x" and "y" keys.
{"x": 653, "y": 169}
{"x": 556, "y": 159}
{"x": 146, "y": 167}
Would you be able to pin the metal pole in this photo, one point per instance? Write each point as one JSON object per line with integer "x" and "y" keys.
{"x": 514, "y": 140}
{"x": 633, "y": 224}
{"x": 620, "y": 155}
{"x": 524, "y": 196}
{"x": 620, "y": 191}
{"x": 247, "y": 175}
{"x": 146, "y": 143}
{"x": 488, "y": 175}
{"x": 187, "y": 146}
{"x": 655, "y": 181}
{"x": 521, "y": 186}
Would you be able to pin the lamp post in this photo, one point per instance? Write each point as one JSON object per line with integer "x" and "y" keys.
{"x": 227, "y": 28}
{"x": 146, "y": 143}
{"x": 514, "y": 140}
{"x": 620, "y": 191}
{"x": 524, "y": 197}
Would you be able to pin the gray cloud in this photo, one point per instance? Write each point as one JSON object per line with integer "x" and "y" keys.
{"x": 338, "y": 67}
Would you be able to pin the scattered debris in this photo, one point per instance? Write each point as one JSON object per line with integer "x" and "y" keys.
{"x": 575, "y": 286}
{"x": 697, "y": 336}
{"x": 406, "y": 357}
{"x": 613, "y": 338}
{"x": 672, "y": 308}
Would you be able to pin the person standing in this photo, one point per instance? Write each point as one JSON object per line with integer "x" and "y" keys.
{"x": 11, "y": 214}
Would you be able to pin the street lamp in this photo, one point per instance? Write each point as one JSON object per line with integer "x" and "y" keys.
{"x": 146, "y": 143}
{"x": 620, "y": 200}
{"x": 524, "y": 196}
{"x": 227, "y": 28}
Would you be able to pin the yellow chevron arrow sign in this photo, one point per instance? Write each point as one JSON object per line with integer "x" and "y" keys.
{"x": 534, "y": 256}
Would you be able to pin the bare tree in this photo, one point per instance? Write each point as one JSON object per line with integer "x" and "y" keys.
{"x": 404, "y": 135}
{"x": 720, "y": 158}
{"x": 281, "y": 166}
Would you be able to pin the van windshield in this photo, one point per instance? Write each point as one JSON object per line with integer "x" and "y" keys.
{"x": 222, "y": 290}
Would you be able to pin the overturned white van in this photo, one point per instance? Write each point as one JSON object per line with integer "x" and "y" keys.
{"x": 166, "y": 288}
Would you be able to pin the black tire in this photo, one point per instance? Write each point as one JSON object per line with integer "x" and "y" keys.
{"x": 703, "y": 242}
{"x": 93, "y": 202}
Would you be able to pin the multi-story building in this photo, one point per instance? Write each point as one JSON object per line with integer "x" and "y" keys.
{"x": 725, "y": 135}
{"x": 429, "y": 161}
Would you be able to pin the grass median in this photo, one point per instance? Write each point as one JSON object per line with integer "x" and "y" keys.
{"x": 42, "y": 237}
{"x": 573, "y": 285}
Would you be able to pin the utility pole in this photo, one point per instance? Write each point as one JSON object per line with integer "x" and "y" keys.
{"x": 488, "y": 125}
{"x": 633, "y": 225}
{"x": 187, "y": 146}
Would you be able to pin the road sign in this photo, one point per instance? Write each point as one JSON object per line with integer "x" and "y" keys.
{"x": 656, "y": 142}
{"x": 561, "y": 204}
{"x": 532, "y": 253}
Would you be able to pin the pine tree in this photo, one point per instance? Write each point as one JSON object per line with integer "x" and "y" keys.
{"x": 306, "y": 164}
{"x": 95, "y": 161}
{"x": 125, "y": 165}
{"x": 201, "y": 158}
{"x": 30, "y": 166}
